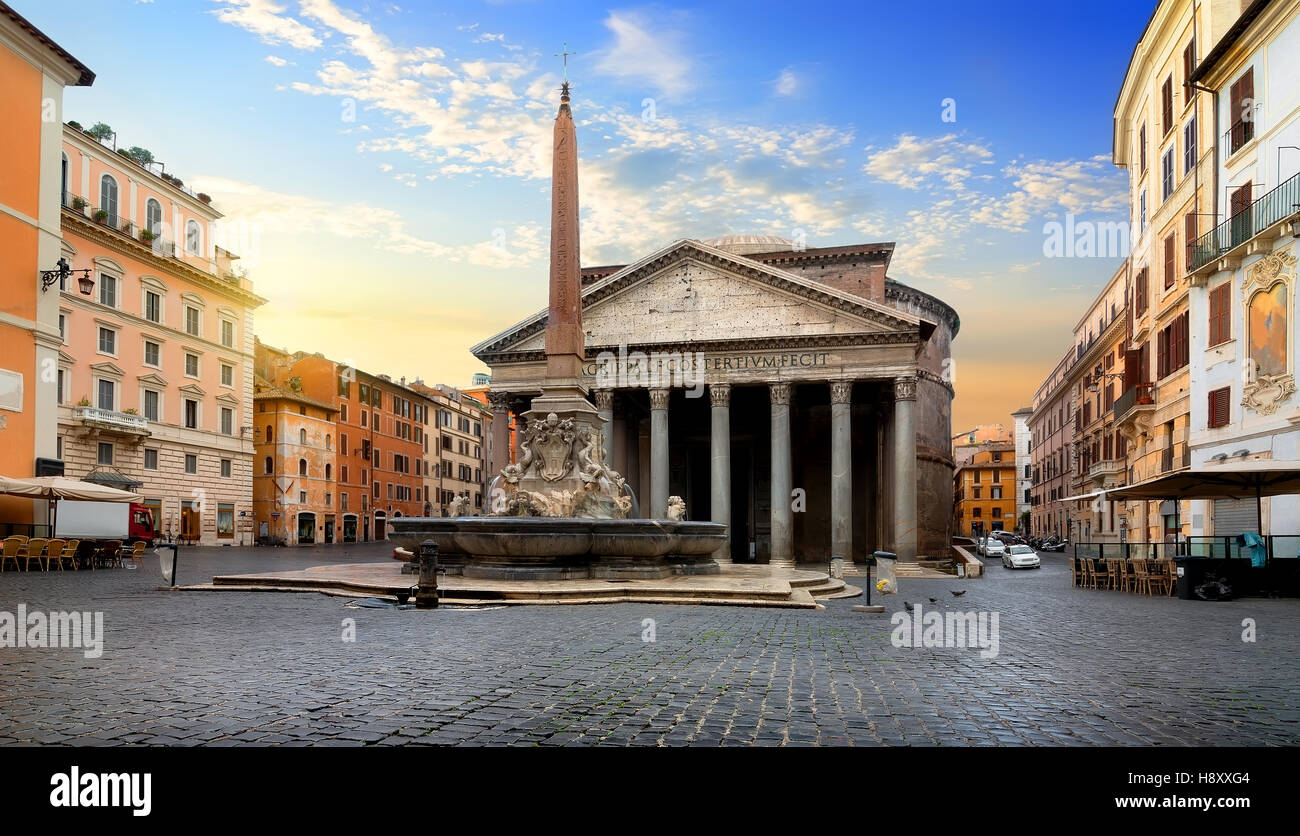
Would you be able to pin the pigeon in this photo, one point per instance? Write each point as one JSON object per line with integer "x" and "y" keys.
{"x": 934, "y": 600}
{"x": 907, "y": 606}
{"x": 957, "y": 593}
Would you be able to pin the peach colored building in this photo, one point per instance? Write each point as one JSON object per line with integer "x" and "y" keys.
{"x": 293, "y": 486}
{"x": 461, "y": 435}
{"x": 155, "y": 372}
{"x": 35, "y": 71}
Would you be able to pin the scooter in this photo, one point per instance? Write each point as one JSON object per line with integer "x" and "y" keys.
{"x": 1058, "y": 546}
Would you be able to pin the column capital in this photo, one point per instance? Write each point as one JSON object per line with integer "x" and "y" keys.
{"x": 659, "y": 398}
{"x": 720, "y": 394}
{"x": 905, "y": 388}
{"x": 780, "y": 393}
{"x": 604, "y": 399}
{"x": 500, "y": 401}
{"x": 841, "y": 391}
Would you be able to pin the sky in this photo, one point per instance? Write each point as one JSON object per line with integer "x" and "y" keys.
{"x": 384, "y": 168}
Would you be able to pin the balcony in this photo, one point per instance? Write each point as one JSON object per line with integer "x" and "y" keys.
{"x": 1104, "y": 468}
{"x": 1216, "y": 249}
{"x": 110, "y": 422}
{"x": 1139, "y": 398}
{"x": 1169, "y": 461}
{"x": 119, "y": 225}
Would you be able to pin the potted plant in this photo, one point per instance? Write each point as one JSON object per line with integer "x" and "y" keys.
{"x": 122, "y": 152}
{"x": 85, "y": 401}
{"x": 75, "y": 124}
{"x": 130, "y": 410}
{"x": 79, "y": 204}
{"x": 147, "y": 236}
{"x": 100, "y": 215}
{"x": 205, "y": 198}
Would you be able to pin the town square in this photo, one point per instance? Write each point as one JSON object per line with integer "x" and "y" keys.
{"x": 552, "y": 375}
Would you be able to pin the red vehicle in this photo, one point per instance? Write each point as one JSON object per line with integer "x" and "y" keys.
{"x": 103, "y": 521}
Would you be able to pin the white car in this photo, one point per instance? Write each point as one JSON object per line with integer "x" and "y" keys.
{"x": 993, "y": 547}
{"x": 1020, "y": 557}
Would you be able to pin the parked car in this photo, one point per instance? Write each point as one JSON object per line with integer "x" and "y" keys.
{"x": 1021, "y": 557}
{"x": 993, "y": 547}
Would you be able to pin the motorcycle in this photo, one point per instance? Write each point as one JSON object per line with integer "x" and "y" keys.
{"x": 1058, "y": 546}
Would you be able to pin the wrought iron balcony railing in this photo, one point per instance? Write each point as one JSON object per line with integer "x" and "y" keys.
{"x": 1277, "y": 205}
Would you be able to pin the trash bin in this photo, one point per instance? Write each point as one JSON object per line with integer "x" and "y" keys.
{"x": 1188, "y": 573}
{"x": 886, "y": 582}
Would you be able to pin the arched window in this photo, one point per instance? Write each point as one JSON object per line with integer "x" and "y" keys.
{"x": 270, "y": 434}
{"x": 108, "y": 197}
{"x": 153, "y": 216}
{"x": 302, "y": 436}
{"x": 328, "y": 470}
{"x": 193, "y": 239}
{"x": 328, "y": 441}
{"x": 302, "y": 467}
{"x": 270, "y": 466}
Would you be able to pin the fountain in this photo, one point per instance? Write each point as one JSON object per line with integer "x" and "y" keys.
{"x": 561, "y": 512}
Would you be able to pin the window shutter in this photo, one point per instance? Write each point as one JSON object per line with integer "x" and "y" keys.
{"x": 1170, "y": 262}
{"x": 1219, "y": 407}
{"x": 1162, "y": 353}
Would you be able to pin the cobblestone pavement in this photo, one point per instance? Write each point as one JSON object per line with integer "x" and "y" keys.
{"x": 1074, "y": 667}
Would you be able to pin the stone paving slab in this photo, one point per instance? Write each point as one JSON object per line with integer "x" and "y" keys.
{"x": 1075, "y": 667}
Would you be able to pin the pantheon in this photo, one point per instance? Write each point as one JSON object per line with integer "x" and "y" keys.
{"x": 797, "y": 394}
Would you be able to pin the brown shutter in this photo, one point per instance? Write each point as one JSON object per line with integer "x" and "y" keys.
{"x": 1162, "y": 353}
{"x": 1219, "y": 411}
{"x": 1167, "y": 105}
{"x": 1132, "y": 372}
{"x": 1189, "y": 233}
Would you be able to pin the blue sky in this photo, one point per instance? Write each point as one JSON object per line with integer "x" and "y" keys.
{"x": 385, "y": 166}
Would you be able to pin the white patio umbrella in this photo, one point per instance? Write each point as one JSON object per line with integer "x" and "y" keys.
{"x": 51, "y": 488}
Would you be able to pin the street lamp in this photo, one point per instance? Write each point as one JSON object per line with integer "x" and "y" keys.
{"x": 61, "y": 272}
{"x": 1095, "y": 385}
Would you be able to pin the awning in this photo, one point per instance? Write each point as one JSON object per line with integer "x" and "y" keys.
{"x": 61, "y": 487}
{"x": 1237, "y": 480}
{"x": 113, "y": 479}
{"x": 1083, "y": 496}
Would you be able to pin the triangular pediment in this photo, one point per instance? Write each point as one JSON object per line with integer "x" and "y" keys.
{"x": 692, "y": 293}
{"x": 153, "y": 379}
{"x": 193, "y": 389}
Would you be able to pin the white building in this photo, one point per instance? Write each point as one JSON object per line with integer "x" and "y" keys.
{"x": 1024, "y": 467}
{"x": 1242, "y": 299}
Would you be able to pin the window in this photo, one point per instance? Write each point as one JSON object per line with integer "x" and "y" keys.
{"x": 1140, "y": 293}
{"x": 108, "y": 290}
{"x": 270, "y": 434}
{"x": 1142, "y": 149}
{"x": 1167, "y": 175}
{"x": 227, "y": 333}
{"x": 150, "y": 459}
{"x": 1167, "y": 105}
{"x": 153, "y": 217}
{"x": 363, "y": 417}
{"x": 268, "y": 465}
{"x": 227, "y": 421}
{"x": 63, "y": 328}
{"x": 225, "y": 521}
{"x": 151, "y": 399}
{"x": 995, "y": 493}
{"x": 1189, "y": 145}
{"x": 1142, "y": 212}
{"x": 227, "y": 374}
{"x": 302, "y": 436}
{"x": 191, "y": 463}
{"x": 58, "y": 396}
{"x": 343, "y": 417}
{"x": 108, "y": 198}
{"x": 107, "y": 341}
{"x": 107, "y": 391}
{"x": 105, "y": 453}
{"x": 225, "y": 468}
{"x": 1242, "y": 115}
{"x": 191, "y": 365}
{"x": 1220, "y": 407}
{"x": 302, "y": 467}
{"x": 1189, "y": 65}
{"x": 1189, "y": 237}
{"x": 1220, "y": 312}
{"x": 152, "y": 354}
{"x": 1170, "y": 262}
{"x": 191, "y": 414}
{"x": 193, "y": 239}
{"x": 344, "y": 384}
{"x": 1171, "y": 347}
{"x": 192, "y": 320}
{"x": 997, "y": 513}
{"x": 328, "y": 470}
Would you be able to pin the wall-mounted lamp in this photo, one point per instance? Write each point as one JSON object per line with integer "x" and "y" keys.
{"x": 62, "y": 272}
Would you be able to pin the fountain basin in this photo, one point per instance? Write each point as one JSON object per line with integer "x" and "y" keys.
{"x": 565, "y": 548}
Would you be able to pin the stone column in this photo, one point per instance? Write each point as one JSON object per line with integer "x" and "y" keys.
{"x": 841, "y": 471}
{"x": 605, "y": 409}
{"x": 720, "y": 470}
{"x": 643, "y": 465}
{"x": 905, "y": 468}
{"x": 500, "y": 402}
{"x": 619, "y": 433}
{"x": 782, "y": 550}
{"x": 658, "y": 453}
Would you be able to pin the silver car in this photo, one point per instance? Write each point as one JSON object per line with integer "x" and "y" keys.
{"x": 1021, "y": 557}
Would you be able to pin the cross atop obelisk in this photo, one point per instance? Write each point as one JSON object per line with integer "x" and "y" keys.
{"x": 565, "y": 55}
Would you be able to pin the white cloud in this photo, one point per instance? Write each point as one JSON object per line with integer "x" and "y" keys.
{"x": 264, "y": 19}
{"x": 787, "y": 83}
{"x": 277, "y": 61}
{"x": 647, "y": 52}
{"x": 912, "y": 161}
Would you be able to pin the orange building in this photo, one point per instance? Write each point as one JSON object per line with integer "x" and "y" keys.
{"x": 984, "y": 490}
{"x": 35, "y": 71}
{"x": 382, "y": 428}
{"x": 293, "y": 483}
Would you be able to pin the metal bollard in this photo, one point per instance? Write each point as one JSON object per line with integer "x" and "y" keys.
{"x": 426, "y": 596}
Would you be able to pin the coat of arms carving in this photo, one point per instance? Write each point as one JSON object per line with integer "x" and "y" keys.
{"x": 552, "y": 443}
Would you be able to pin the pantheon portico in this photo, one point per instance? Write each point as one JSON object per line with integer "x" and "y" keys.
{"x": 798, "y": 395}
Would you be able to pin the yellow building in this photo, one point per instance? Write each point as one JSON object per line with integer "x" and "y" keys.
{"x": 1164, "y": 138}
{"x": 984, "y": 490}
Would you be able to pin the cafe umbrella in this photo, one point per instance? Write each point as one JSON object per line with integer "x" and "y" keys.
{"x": 52, "y": 488}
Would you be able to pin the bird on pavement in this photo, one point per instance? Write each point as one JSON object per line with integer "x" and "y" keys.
{"x": 957, "y": 593}
{"x": 934, "y": 600}
{"x": 907, "y": 606}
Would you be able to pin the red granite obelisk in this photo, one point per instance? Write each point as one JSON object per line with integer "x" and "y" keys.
{"x": 564, "y": 337}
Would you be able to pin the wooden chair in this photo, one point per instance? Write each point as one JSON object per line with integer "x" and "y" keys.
{"x": 11, "y": 548}
{"x": 1078, "y": 575}
{"x": 111, "y": 553}
{"x": 33, "y": 550}
{"x": 1114, "y": 573}
{"x": 54, "y": 553}
{"x": 1161, "y": 577}
{"x": 1089, "y": 573}
{"x": 70, "y": 553}
{"x": 136, "y": 555}
{"x": 1125, "y": 575}
{"x": 1141, "y": 578}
